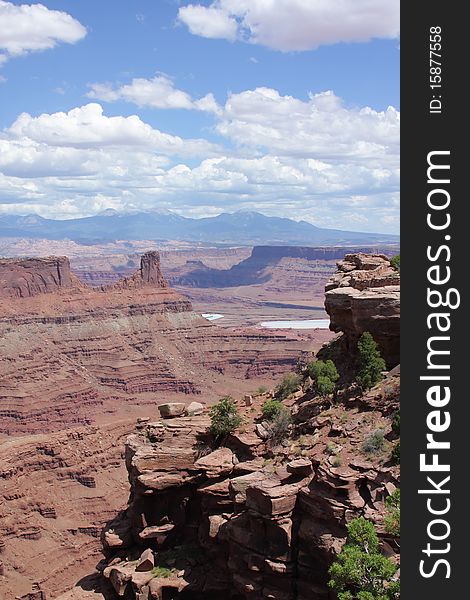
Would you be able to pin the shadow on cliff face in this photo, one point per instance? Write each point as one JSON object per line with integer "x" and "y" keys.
{"x": 251, "y": 271}
{"x": 96, "y": 583}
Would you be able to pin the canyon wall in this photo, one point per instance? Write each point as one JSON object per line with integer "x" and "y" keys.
{"x": 265, "y": 263}
{"x": 250, "y": 520}
{"x": 364, "y": 295}
{"x": 77, "y": 367}
{"x": 30, "y": 277}
{"x": 57, "y": 492}
{"x": 72, "y": 355}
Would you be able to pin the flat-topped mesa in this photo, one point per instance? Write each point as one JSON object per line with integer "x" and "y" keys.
{"x": 364, "y": 295}
{"x": 149, "y": 274}
{"x": 28, "y": 277}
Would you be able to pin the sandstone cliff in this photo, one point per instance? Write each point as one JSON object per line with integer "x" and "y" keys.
{"x": 30, "y": 277}
{"x": 364, "y": 295}
{"x": 77, "y": 367}
{"x": 248, "y": 521}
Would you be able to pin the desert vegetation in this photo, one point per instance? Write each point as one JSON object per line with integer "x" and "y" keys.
{"x": 361, "y": 572}
{"x": 370, "y": 364}
{"x": 225, "y": 418}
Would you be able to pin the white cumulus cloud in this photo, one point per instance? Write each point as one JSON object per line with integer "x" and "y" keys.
{"x": 293, "y": 24}
{"x": 88, "y": 127}
{"x": 320, "y": 127}
{"x": 209, "y": 22}
{"x": 315, "y": 158}
{"x": 157, "y": 92}
{"x": 31, "y": 27}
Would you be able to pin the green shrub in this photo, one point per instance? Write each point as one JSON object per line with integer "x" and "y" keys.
{"x": 225, "y": 417}
{"x": 369, "y": 361}
{"x": 161, "y": 572}
{"x": 327, "y": 368}
{"x": 395, "y": 262}
{"x": 395, "y": 454}
{"x": 270, "y": 409}
{"x": 289, "y": 384}
{"x": 324, "y": 385}
{"x": 374, "y": 442}
{"x": 279, "y": 427}
{"x": 325, "y": 375}
{"x": 396, "y": 423}
{"x": 360, "y": 571}
{"x": 392, "y": 519}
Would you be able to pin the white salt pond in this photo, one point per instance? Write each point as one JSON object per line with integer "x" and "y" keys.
{"x": 212, "y": 316}
{"x": 305, "y": 324}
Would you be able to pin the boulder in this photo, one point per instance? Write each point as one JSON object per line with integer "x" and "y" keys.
{"x": 262, "y": 431}
{"x": 195, "y": 408}
{"x": 217, "y": 463}
{"x": 119, "y": 535}
{"x": 301, "y": 467}
{"x": 172, "y": 409}
{"x": 158, "y": 532}
{"x": 119, "y": 580}
{"x": 113, "y": 540}
{"x": 146, "y": 561}
{"x": 242, "y": 468}
{"x": 271, "y": 498}
{"x": 239, "y": 485}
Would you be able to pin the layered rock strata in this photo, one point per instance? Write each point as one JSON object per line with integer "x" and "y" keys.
{"x": 244, "y": 521}
{"x": 364, "y": 295}
{"x": 70, "y": 354}
{"x": 34, "y": 276}
{"x": 57, "y": 491}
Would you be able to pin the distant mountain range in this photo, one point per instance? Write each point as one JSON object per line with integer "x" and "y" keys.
{"x": 242, "y": 228}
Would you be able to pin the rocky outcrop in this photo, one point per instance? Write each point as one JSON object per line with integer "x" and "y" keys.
{"x": 149, "y": 274}
{"x": 247, "y": 521}
{"x": 31, "y": 277}
{"x": 364, "y": 295}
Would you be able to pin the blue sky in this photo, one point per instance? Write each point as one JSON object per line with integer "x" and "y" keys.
{"x": 202, "y": 108}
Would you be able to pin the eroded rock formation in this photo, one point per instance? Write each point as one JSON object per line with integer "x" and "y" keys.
{"x": 149, "y": 274}
{"x": 71, "y": 353}
{"x": 246, "y": 521}
{"x": 56, "y": 493}
{"x": 30, "y": 277}
{"x": 364, "y": 295}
